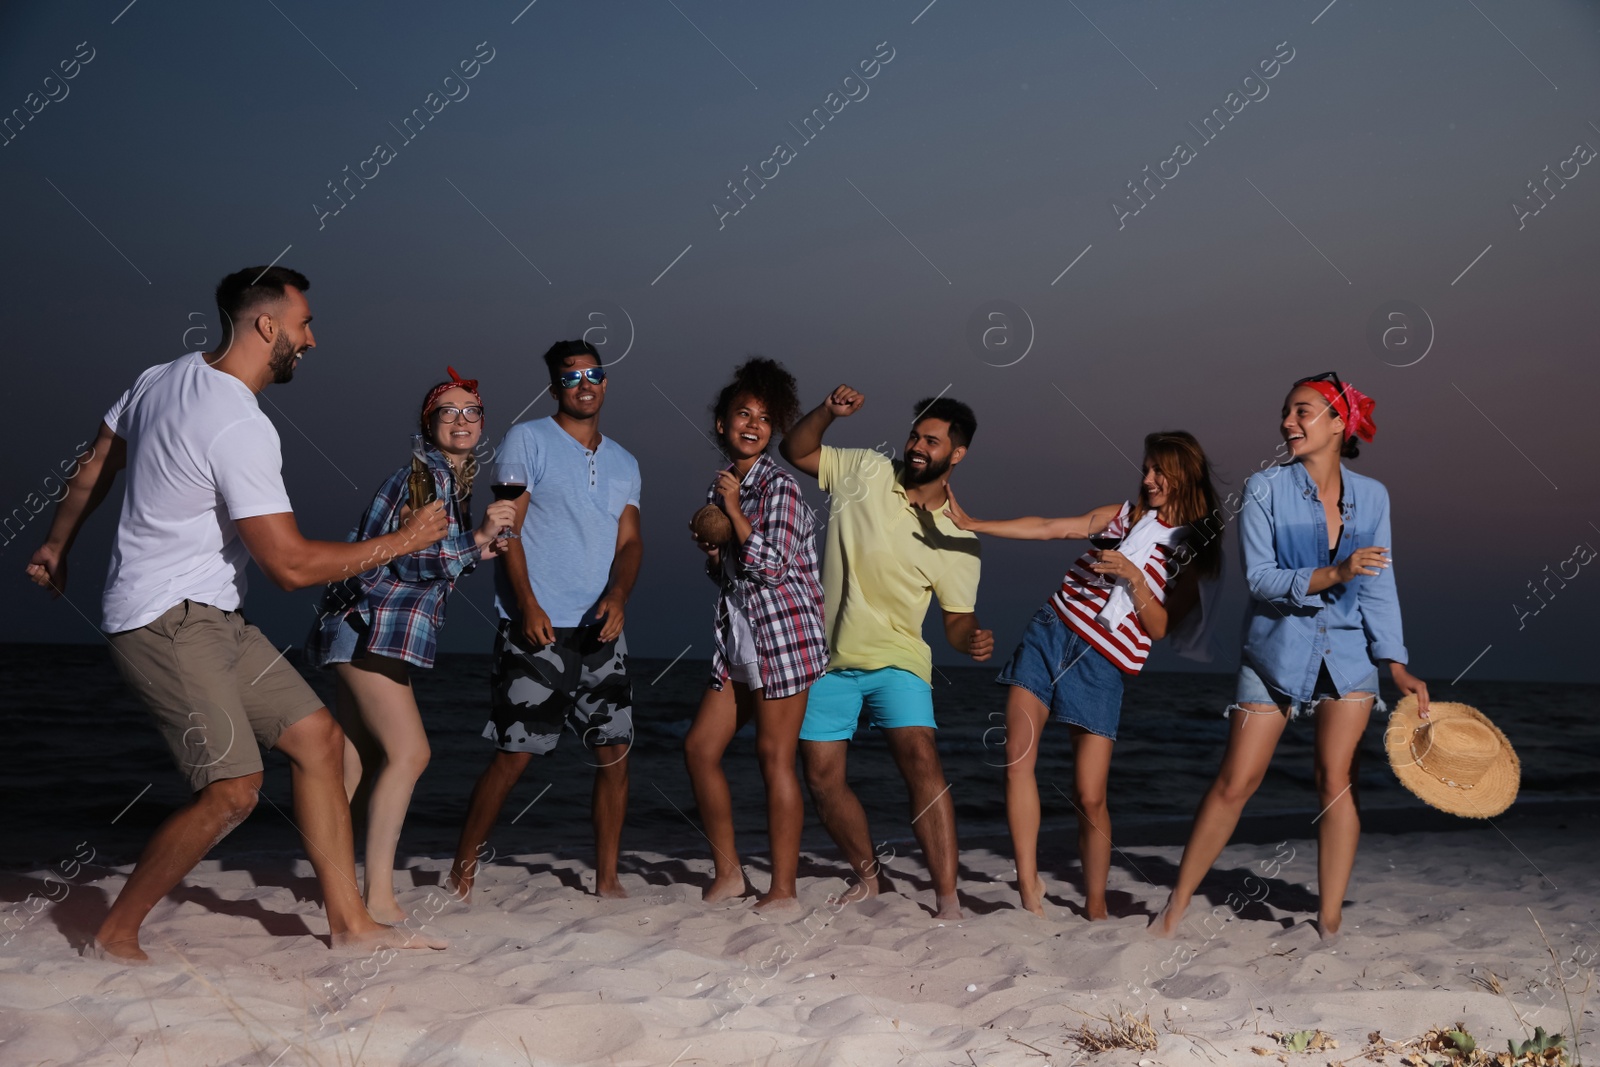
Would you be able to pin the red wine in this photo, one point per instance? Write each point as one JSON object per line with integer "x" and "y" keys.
{"x": 1104, "y": 541}
{"x": 507, "y": 490}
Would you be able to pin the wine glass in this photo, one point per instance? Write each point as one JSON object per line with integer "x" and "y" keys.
{"x": 1104, "y": 541}
{"x": 507, "y": 487}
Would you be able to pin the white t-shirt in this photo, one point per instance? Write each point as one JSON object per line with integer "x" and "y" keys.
{"x": 201, "y": 456}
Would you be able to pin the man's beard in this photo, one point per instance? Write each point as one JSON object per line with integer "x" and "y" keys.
{"x": 931, "y": 473}
{"x": 282, "y": 362}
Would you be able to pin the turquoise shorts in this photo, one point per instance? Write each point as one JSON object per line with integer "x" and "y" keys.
{"x": 892, "y": 698}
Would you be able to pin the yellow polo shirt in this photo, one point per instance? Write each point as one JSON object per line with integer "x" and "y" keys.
{"x": 884, "y": 559}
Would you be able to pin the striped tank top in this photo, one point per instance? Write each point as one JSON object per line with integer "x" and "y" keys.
{"x": 1079, "y": 600}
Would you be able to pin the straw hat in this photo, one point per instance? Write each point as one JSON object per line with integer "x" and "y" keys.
{"x": 1456, "y": 759}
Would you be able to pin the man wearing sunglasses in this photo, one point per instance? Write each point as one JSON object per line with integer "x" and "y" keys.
{"x": 561, "y": 589}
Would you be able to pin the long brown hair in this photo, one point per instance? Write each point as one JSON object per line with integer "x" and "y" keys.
{"x": 1190, "y": 495}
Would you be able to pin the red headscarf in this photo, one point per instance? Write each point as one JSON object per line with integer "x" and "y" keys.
{"x": 455, "y": 382}
{"x": 1353, "y": 406}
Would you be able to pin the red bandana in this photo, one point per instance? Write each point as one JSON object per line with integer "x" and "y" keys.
{"x": 455, "y": 382}
{"x": 1354, "y": 407}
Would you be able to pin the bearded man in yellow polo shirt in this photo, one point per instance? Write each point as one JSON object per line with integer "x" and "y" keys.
{"x": 889, "y": 549}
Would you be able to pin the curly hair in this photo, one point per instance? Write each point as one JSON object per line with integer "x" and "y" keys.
{"x": 763, "y": 380}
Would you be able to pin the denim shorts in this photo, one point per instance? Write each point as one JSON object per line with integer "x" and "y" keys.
{"x": 349, "y": 643}
{"x": 1079, "y": 685}
{"x": 1251, "y": 688}
{"x": 892, "y": 697}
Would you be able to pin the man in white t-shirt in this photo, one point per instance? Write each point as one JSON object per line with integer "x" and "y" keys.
{"x": 204, "y": 496}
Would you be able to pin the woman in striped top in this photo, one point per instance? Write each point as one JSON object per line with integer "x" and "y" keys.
{"x": 1113, "y": 602}
{"x": 769, "y": 644}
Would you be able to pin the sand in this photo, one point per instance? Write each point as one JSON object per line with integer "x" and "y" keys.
{"x": 541, "y": 971}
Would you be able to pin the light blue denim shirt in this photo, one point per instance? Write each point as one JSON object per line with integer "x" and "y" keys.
{"x": 1289, "y": 632}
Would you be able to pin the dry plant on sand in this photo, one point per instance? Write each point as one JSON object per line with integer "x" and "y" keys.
{"x": 1121, "y": 1030}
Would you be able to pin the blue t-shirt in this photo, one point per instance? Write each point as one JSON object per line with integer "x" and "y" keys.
{"x": 575, "y": 502}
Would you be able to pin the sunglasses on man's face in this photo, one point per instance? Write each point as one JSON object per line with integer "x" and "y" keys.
{"x": 570, "y": 378}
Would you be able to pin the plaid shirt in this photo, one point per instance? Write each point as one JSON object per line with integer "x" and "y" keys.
{"x": 777, "y": 581}
{"x": 400, "y": 605}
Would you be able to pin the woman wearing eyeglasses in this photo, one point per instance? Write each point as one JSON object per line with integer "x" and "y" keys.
{"x": 1323, "y": 615}
{"x": 372, "y": 627}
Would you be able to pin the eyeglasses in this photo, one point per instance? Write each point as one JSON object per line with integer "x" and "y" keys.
{"x": 570, "y": 378}
{"x": 452, "y": 414}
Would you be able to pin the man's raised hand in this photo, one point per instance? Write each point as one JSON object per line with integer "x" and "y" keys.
{"x": 844, "y": 402}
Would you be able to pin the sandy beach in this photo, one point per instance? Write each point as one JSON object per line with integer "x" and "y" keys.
{"x": 541, "y": 971}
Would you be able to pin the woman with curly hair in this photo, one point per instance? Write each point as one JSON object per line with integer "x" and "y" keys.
{"x": 769, "y": 638}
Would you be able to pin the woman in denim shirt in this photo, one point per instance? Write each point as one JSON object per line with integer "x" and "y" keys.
{"x": 1323, "y": 613}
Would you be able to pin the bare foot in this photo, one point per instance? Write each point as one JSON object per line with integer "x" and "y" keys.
{"x": 770, "y": 901}
{"x": 610, "y": 888}
{"x": 122, "y": 950}
{"x": 387, "y": 912}
{"x": 949, "y": 907}
{"x": 724, "y": 888}
{"x": 1165, "y": 925}
{"x": 858, "y": 891}
{"x": 1033, "y": 900}
{"x": 1095, "y": 910}
{"x": 1328, "y": 929}
{"x": 459, "y": 886}
{"x": 349, "y": 943}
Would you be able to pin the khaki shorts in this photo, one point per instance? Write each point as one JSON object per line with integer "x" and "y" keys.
{"x": 215, "y": 687}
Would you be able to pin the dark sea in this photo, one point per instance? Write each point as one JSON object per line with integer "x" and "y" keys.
{"x": 83, "y": 763}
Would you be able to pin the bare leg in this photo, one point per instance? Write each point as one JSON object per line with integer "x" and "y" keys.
{"x": 1340, "y": 724}
{"x": 387, "y": 709}
{"x": 610, "y": 804}
{"x": 360, "y": 749}
{"x": 180, "y": 842}
{"x": 1253, "y": 732}
{"x": 777, "y": 737}
{"x": 714, "y": 726}
{"x": 315, "y": 747}
{"x": 933, "y": 813}
{"x": 1025, "y": 720}
{"x": 488, "y": 797}
{"x": 1091, "y": 767}
{"x": 841, "y": 813}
